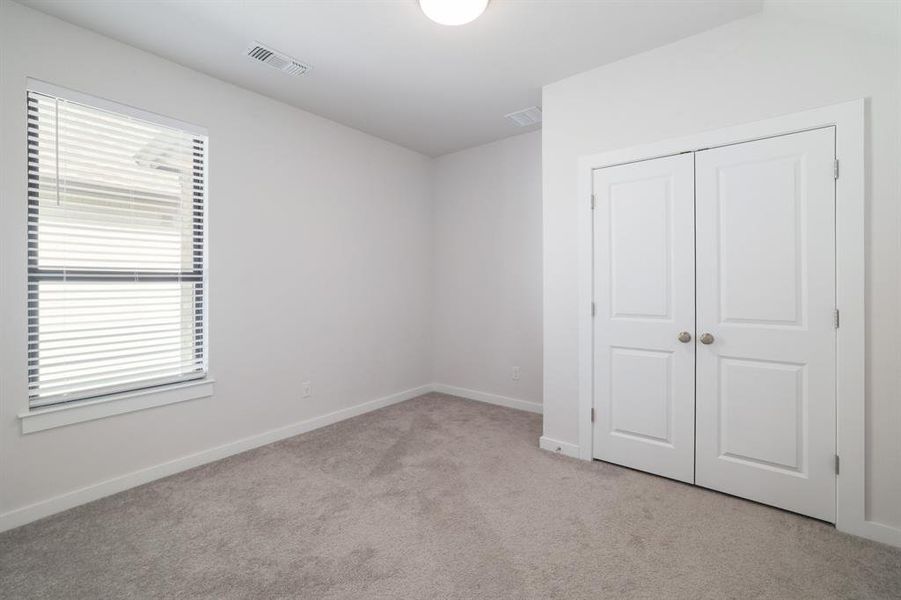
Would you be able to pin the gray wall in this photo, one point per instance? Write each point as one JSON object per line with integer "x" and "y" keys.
{"x": 487, "y": 278}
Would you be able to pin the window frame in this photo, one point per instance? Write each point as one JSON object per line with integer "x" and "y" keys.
{"x": 172, "y": 389}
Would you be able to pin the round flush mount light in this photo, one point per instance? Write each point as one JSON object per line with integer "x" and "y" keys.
{"x": 453, "y": 12}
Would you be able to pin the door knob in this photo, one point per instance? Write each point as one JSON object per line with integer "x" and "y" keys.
{"x": 706, "y": 338}
{"x": 684, "y": 337}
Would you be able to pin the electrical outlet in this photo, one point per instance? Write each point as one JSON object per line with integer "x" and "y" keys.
{"x": 306, "y": 389}
{"x": 515, "y": 373}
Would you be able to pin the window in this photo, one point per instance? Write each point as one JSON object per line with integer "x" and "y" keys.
{"x": 116, "y": 248}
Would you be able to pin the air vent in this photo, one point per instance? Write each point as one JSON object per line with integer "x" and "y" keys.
{"x": 277, "y": 60}
{"x": 526, "y": 116}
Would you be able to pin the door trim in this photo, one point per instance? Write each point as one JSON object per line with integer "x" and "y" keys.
{"x": 850, "y": 193}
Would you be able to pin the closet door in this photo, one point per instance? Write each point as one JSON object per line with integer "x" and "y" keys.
{"x": 765, "y": 309}
{"x": 644, "y": 298}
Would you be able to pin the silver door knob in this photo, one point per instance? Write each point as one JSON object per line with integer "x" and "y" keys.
{"x": 706, "y": 338}
{"x": 684, "y": 337}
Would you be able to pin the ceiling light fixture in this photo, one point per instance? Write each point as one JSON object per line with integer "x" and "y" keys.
{"x": 453, "y": 12}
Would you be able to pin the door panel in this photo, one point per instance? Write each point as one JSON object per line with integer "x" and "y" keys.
{"x": 760, "y": 198}
{"x": 644, "y": 296}
{"x": 765, "y": 232}
{"x": 761, "y": 407}
{"x": 641, "y": 396}
{"x": 640, "y": 248}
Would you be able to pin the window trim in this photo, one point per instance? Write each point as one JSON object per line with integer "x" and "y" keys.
{"x": 42, "y": 87}
{"x": 112, "y": 402}
{"x": 100, "y": 407}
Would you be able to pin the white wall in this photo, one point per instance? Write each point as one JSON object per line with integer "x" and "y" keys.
{"x": 320, "y": 263}
{"x": 487, "y": 272}
{"x": 775, "y": 63}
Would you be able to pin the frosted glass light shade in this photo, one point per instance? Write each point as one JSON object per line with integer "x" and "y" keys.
{"x": 453, "y": 12}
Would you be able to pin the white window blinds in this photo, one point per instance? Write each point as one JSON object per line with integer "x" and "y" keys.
{"x": 116, "y": 280}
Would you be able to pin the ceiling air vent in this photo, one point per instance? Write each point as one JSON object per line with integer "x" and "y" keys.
{"x": 526, "y": 116}
{"x": 276, "y": 59}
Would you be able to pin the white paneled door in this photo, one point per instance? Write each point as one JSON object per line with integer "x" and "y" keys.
{"x": 644, "y": 297}
{"x": 714, "y": 327}
{"x": 766, "y": 298}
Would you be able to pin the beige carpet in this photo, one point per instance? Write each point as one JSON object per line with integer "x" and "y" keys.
{"x": 437, "y": 497}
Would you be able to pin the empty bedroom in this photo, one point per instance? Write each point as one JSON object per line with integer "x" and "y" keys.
{"x": 450, "y": 299}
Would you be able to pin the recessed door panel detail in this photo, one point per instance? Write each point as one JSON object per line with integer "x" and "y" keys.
{"x": 640, "y": 248}
{"x": 762, "y": 413}
{"x": 641, "y": 394}
{"x": 760, "y": 237}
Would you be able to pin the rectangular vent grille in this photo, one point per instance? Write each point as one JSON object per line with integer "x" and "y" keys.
{"x": 277, "y": 60}
{"x": 525, "y": 117}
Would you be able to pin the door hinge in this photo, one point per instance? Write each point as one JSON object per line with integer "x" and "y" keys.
{"x": 592, "y": 202}
{"x": 836, "y": 318}
{"x": 835, "y": 169}
{"x": 837, "y": 464}
{"x": 592, "y": 415}
{"x": 594, "y": 309}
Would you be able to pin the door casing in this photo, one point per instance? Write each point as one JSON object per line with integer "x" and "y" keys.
{"x": 849, "y": 121}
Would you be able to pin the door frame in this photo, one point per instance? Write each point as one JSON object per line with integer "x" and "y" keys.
{"x": 850, "y": 199}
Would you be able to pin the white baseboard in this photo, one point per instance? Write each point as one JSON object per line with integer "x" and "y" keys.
{"x": 497, "y": 399}
{"x": 44, "y": 508}
{"x": 565, "y": 448}
{"x": 872, "y": 530}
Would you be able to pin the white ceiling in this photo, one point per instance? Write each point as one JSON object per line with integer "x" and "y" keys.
{"x": 382, "y": 67}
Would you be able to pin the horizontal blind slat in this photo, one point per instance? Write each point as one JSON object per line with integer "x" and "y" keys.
{"x": 123, "y": 341}
{"x": 45, "y": 106}
{"x": 98, "y": 367}
{"x": 118, "y": 213}
{"x": 100, "y": 233}
{"x": 49, "y": 397}
{"x": 133, "y": 377}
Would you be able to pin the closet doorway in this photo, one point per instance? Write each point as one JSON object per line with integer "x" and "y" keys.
{"x": 714, "y": 318}
{"x": 720, "y": 272}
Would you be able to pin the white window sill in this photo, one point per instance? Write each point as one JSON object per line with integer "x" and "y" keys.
{"x": 40, "y": 419}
